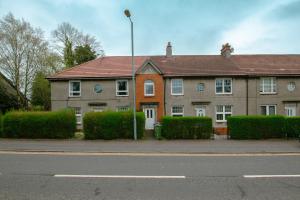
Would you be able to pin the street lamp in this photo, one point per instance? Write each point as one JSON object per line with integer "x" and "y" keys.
{"x": 127, "y": 13}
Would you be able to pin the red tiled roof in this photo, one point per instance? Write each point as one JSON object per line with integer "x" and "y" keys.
{"x": 105, "y": 67}
{"x": 187, "y": 65}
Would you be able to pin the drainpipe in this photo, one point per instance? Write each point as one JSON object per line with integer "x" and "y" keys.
{"x": 165, "y": 80}
{"x": 247, "y": 95}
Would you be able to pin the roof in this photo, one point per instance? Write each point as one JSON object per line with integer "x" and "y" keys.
{"x": 187, "y": 65}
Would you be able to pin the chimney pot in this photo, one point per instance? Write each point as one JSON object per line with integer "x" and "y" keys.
{"x": 169, "y": 50}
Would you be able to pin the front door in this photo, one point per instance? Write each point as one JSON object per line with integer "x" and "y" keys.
{"x": 150, "y": 118}
{"x": 290, "y": 111}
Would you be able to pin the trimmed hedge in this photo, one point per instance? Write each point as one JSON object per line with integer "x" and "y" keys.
{"x": 110, "y": 125}
{"x": 292, "y": 127}
{"x": 59, "y": 124}
{"x": 186, "y": 127}
{"x": 256, "y": 127}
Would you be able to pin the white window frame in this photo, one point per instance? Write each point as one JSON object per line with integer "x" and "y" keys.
{"x": 71, "y": 93}
{"x": 149, "y": 84}
{"x": 177, "y": 114}
{"x": 268, "y": 109}
{"x": 223, "y": 85}
{"x": 273, "y": 85}
{"x": 177, "y": 94}
{"x": 117, "y": 89}
{"x": 223, "y": 112}
{"x": 122, "y": 108}
{"x": 198, "y": 111}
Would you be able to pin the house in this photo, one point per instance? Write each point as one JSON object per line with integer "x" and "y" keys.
{"x": 10, "y": 98}
{"x": 217, "y": 86}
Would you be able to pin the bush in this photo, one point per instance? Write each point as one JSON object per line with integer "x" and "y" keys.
{"x": 256, "y": 127}
{"x": 111, "y": 125}
{"x": 292, "y": 127}
{"x": 1, "y": 125}
{"x": 186, "y": 127}
{"x": 60, "y": 124}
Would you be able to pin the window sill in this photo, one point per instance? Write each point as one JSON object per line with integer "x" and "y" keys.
{"x": 152, "y": 95}
{"x": 177, "y": 94}
{"x": 221, "y": 121}
{"x": 224, "y": 93}
{"x": 122, "y": 95}
{"x": 268, "y": 93}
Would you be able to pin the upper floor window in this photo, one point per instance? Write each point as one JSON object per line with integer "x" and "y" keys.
{"x": 268, "y": 110}
{"x": 200, "y": 87}
{"x": 222, "y": 112}
{"x": 122, "y": 88}
{"x": 177, "y": 111}
{"x": 268, "y": 85}
{"x": 74, "y": 88}
{"x": 149, "y": 88}
{"x": 177, "y": 87}
{"x": 223, "y": 86}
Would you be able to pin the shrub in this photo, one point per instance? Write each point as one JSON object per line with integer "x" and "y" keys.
{"x": 60, "y": 124}
{"x": 292, "y": 126}
{"x": 256, "y": 127}
{"x": 1, "y": 125}
{"x": 111, "y": 125}
{"x": 186, "y": 127}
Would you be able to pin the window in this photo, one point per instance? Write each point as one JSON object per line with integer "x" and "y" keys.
{"x": 177, "y": 111}
{"x": 177, "y": 87}
{"x": 74, "y": 88}
{"x": 200, "y": 87}
{"x": 222, "y": 112}
{"x": 290, "y": 110}
{"x": 223, "y": 86}
{"x": 122, "y": 87}
{"x": 122, "y": 108}
{"x": 200, "y": 112}
{"x": 268, "y": 110}
{"x": 268, "y": 85}
{"x": 149, "y": 88}
{"x": 77, "y": 114}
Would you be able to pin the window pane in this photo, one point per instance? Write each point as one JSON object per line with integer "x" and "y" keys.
{"x": 122, "y": 85}
{"x": 200, "y": 87}
{"x": 263, "y": 110}
{"x": 219, "y": 116}
{"x": 177, "y": 85}
{"x": 219, "y": 108}
{"x": 272, "y": 110}
{"x": 219, "y": 86}
{"x": 227, "y": 85}
{"x": 227, "y": 108}
{"x": 149, "y": 89}
{"x": 75, "y": 86}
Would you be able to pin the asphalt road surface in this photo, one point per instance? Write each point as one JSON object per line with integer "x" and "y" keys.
{"x": 149, "y": 177}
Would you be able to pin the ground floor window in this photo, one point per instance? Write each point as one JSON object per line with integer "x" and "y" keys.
{"x": 177, "y": 111}
{"x": 222, "y": 112}
{"x": 122, "y": 108}
{"x": 200, "y": 112}
{"x": 268, "y": 109}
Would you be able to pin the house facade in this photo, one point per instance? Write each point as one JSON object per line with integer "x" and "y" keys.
{"x": 216, "y": 86}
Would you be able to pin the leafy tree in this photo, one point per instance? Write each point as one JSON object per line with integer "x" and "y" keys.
{"x": 84, "y": 54}
{"x": 41, "y": 95}
{"x": 68, "y": 55}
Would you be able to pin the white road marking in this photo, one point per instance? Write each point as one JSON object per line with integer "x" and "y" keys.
{"x": 148, "y": 154}
{"x": 273, "y": 176}
{"x": 117, "y": 176}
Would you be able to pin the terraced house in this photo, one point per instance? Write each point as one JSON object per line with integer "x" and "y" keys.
{"x": 217, "y": 86}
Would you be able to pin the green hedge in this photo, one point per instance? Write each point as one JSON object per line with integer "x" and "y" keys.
{"x": 60, "y": 124}
{"x": 1, "y": 126}
{"x": 111, "y": 125}
{"x": 292, "y": 127}
{"x": 256, "y": 127}
{"x": 186, "y": 127}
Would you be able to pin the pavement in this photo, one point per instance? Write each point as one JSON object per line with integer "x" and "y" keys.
{"x": 152, "y": 146}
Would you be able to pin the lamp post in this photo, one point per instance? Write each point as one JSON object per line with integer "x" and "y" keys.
{"x": 127, "y": 13}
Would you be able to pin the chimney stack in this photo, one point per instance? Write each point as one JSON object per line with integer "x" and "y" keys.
{"x": 226, "y": 50}
{"x": 169, "y": 50}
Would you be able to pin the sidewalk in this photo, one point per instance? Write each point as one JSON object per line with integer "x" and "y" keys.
{"x": 153, "y": 146}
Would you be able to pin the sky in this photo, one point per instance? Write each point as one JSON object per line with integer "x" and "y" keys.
{"x": 192, "y": 26}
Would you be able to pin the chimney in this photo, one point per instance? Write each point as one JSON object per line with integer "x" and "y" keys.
{"x": 169, "y": 50}
{"x": 226, "y": 50}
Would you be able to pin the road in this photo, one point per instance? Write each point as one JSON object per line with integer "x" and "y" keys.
{"x": 34, "y": 176}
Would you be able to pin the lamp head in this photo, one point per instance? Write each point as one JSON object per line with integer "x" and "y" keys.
{"x": 127, "y": 13}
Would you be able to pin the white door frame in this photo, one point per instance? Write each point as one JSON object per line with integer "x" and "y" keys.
{"x": 151, "y": 118}
{"x": 202, "y": 109}
{"x": 290, "y": 108}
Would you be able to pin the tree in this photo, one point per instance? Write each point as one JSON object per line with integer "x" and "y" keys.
{"x": 84, "y": 54}
{"x": 7, "y": 100}
{"x": 41, "y": 92}
{"x": 68, "y": 55}
{"x": 67, "y": 38}
{"x": 22, "y": 49}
